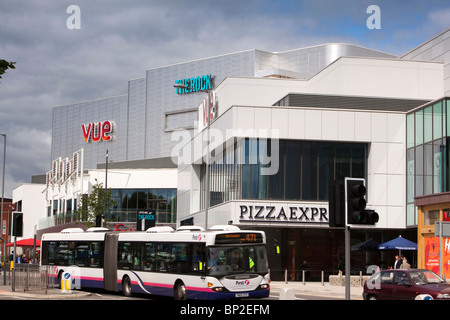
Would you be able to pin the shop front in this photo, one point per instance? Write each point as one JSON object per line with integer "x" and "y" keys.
{"x": 431, "y": 209}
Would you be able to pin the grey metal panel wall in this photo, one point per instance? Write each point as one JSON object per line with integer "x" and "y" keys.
{"x": 67, "y": 136}
{"x": 162, "y": 96}
{"x": 140, "y": 117}
{"x": 136, "y": 120}
{"x": 311, "y": 60}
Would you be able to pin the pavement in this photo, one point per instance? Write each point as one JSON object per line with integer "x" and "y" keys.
{"x": 281, "y": 288}
{"x": 315, "y": 289}
{"x": 52, "y": 294}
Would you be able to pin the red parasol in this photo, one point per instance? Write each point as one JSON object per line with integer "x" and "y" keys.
{"x": 25, "y": 243}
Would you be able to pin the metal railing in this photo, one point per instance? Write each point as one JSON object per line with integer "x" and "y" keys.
{"x": 32, "y": 277}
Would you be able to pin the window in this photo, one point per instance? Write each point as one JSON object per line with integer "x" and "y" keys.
{"x": 294, "y": 168}
{"x": 81, "y": 254}
{"x": 410, "y": 130}
{"x": 419, "y": 127}
{"x": 67, "y": 253}
{"x": 428, "y": 124}
{"x": 431, "y": 217}
{"x": 129, "y": 201}
{"x": 437, "y": 120}
{"x": 309, "y": 171}
{"x": 96, "y": 254}
{"x": 303, "y": 170}
{"x": 180, "y": 258}
{"x": 125, "y": 255}
{"x": 164, "y": 257}
{"x": 184, "y": 258}
{"x": 225, "y": 259}
{"x": 197, "y": 259}
{"x": 402, "y": 279}
{"x": 387, "y": 277}
{"x": 428, "y": 170}
{"x": 148, "y": 252}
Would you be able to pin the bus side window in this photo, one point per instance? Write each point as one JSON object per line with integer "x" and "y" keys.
{"x": 197, "y": 259}
{"x": 148, "y": 256}
{"x": 125, "y": 256}
{"x": 81, "y": 253}
{"x": 180, "y": 263}
{"x": 48, "y": 252}
{"x": 64, "y": 253}
{"x": 164, "y": 257}
{"x": 96, "y": 254}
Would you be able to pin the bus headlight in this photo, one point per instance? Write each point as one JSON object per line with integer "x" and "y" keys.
{"x": 264, "y": 286}
{"x": 218, "y": 289}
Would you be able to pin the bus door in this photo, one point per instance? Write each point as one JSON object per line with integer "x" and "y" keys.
{"x": 110, "y": 262}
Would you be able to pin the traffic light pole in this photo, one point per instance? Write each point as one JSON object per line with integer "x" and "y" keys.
{"x": 347, "y": 209}
{"x": 347, "y": 262}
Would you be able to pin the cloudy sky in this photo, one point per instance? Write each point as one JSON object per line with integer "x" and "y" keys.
{"x": 119, "y": 39}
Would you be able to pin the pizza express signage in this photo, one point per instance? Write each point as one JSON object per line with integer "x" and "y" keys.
{"x": 200, "y": 83}
{"x": 283, "y": 213}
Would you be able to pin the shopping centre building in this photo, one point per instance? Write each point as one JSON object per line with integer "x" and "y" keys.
{"x": 279, "y": 126}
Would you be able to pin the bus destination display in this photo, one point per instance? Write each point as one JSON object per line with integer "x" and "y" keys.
{"x": 235, "y": 238}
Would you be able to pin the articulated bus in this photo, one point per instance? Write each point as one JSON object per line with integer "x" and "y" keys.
{"x": 223, "y": 262}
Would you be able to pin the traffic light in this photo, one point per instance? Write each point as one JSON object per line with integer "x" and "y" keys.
{"x": 336, "y": 203}
{"x": 356, "y": 204}
{"x": 98, "y": 220}
{"x": 17, "y": 224}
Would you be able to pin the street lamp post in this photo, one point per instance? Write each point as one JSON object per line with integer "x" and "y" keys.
{"x": 1, "y": 210}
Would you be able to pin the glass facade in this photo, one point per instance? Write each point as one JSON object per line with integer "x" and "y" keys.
{"x": 129, "y": 201}
{"x": 285, "y": 170}
{"x": 427, "y": 138}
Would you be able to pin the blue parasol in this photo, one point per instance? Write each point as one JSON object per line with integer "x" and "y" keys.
{"x": 398, "y": 243}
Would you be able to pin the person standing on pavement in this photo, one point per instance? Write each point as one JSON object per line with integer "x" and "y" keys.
{"x": 397, "y": 262}
{"x": 405, "y": 264}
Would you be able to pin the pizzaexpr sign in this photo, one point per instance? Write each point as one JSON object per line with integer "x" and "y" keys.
{"x": 201, "y": 83}
{"x": 97, "y": 131}
{"x": 283, "y": 213}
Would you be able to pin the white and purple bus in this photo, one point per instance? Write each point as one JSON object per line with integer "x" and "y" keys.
{"x": 223, "y": 262}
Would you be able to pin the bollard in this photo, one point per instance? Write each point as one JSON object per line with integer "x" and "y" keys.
{"x": 360, "y": 279}
{"x": 287, "y": 294}
{"x": 285, "y": 276}
{"x": 323, "y": 278}
{"x": 303, "y": 277}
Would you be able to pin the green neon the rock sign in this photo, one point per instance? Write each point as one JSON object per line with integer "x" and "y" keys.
{"x": 201, "y": 83}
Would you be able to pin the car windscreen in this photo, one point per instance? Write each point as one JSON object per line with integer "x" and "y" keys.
{"x": 423, "y": 277}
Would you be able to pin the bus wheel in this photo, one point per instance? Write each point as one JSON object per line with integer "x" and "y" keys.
{"x": 179, "y": 292}
{"x": 126, "y": 287}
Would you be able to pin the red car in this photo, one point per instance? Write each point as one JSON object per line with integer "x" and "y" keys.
{"x": 408, "y": 284}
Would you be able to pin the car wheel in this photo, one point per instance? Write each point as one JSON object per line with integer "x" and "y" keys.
{"x": 180, "y": 291}
{"x": 372, "y": 297}
{"x": 126, "y": 287}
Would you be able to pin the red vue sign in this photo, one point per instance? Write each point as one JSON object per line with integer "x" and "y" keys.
{"x": 97, "y": 131}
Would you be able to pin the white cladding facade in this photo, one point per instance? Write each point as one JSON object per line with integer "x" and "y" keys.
{"x": 245, "y": 106}
{"x": 154, "y": 121}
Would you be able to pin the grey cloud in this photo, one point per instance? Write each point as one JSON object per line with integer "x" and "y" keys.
{"x": 119, "y": 40}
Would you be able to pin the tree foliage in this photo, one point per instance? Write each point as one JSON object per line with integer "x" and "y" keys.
{"x": 96, "y": 203}
{"x": 5, "y": 65}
